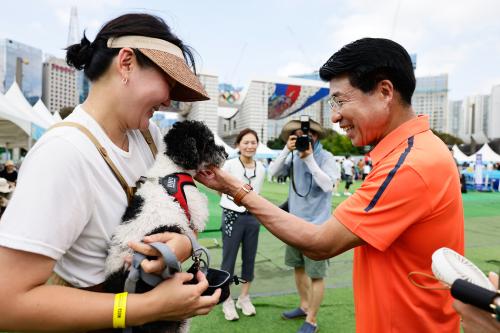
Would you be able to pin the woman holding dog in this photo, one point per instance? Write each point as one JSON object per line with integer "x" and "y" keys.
{"x": 239, "y": 226}
{"x": 136, "y": 65}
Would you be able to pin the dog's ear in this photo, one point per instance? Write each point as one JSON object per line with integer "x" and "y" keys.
{"x": 181, "y": 147}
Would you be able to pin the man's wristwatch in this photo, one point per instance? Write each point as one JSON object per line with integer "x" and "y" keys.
{"x": 242, "y": 191}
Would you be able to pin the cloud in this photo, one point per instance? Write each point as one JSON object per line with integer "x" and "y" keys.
{"x": 455, "y": 37}
{"x": 294, "y": 68}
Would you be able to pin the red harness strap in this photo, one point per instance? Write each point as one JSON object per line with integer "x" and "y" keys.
{"x": 174, "y": 185}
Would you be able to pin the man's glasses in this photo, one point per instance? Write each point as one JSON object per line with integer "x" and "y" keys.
{"x": 334, "y": 103}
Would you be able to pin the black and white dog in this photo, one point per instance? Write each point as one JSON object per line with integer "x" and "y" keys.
{"x": 188, "y": 147}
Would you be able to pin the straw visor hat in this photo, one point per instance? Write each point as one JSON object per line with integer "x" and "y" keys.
{"x": 294, "y": 125}
{"x": 170, "y": 59}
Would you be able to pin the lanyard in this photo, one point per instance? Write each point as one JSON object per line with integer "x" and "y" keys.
{"x": 245, "y": 171}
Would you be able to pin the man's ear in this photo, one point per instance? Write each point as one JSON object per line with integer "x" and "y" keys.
{"x": 386, "y": 90}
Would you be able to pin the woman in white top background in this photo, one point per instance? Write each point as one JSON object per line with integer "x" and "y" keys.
{"x": 238, "y": 225}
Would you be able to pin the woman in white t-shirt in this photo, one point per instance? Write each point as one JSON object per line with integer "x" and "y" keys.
{"x": 68, "y": 201}
{"x": 238, "y": 225}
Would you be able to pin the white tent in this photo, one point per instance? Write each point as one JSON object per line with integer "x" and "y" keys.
{"x": 16, "y": 98}
{"x": 57, "y": 117}
{"x": 14, "y": 130}
{"x": 42, "y": 110}
{"x": 487, "y": 154}
{"x": 460, "y": 156}
{"x": 264, "y": 151}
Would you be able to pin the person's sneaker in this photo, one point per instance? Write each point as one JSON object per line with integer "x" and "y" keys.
{"x": 347, "y": 193}
{"x": 336, "y": 194}
{"x": 294, "y": 314}
{"x": 246, "y": 305}
{"x": 308, "y": 328}
{"x": 229, "y": 310}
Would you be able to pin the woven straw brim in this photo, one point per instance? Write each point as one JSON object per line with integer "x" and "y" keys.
{"x": 294, "y": 125}
{"x": 188, "y": 87}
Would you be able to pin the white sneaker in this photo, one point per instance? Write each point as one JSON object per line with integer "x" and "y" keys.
{"x": 246, "y": 305}
{"x": 229, "y": 310}
{"x": 347, "y": 193}
{"x": 336, "y": 194}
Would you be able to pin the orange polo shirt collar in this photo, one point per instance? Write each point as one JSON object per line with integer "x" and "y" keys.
{"x": 396, "y": 137}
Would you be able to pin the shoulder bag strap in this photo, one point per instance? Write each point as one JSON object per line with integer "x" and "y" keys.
{"x": 129, "y": 191}
{"x": 149, "y": 140}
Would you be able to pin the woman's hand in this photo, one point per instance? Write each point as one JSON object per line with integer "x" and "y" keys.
{"x": 176, "y": 300}
{"x": 219, "y": 180}
{"x": 178, "y": 243}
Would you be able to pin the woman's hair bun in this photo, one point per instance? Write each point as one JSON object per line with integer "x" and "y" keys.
{"x": 79, "y": 55}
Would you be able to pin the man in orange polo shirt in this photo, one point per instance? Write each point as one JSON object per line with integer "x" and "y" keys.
{"x": 409, "y": 205}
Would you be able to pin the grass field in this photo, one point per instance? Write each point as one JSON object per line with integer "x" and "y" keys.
{"x": 273, "y": 289}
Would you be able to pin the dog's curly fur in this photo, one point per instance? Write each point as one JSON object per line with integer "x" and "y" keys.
{"x": 188, "y": 147}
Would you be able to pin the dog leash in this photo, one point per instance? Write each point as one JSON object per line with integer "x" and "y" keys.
{"x": 172, "y": 264}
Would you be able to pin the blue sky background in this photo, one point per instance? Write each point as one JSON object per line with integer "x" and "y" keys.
{"x": 242, "y": 40}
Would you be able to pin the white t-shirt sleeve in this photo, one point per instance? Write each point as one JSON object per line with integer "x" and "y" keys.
{"x": 52, "y": 202}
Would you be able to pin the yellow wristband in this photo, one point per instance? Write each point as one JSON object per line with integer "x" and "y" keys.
{"x": 120, "y": 310}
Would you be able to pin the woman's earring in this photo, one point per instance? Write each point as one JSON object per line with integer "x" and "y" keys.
{"x": 125, "y": 80}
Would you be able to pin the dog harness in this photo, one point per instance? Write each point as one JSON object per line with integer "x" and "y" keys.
{"x": 174, "y": 185}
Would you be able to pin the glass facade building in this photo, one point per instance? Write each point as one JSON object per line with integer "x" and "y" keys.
{"x": 21, "y": 63}
{"x": 431, "y": 98}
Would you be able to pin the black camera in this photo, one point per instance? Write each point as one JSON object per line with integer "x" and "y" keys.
{"x": 302, "y": 143}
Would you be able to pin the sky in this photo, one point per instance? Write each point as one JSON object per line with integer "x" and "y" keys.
{"x": 242, "y": 40}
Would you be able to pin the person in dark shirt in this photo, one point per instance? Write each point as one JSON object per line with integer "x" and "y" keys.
{"x": 9, "y": 172}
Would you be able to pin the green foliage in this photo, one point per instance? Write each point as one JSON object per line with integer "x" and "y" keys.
{"x": 339, "y": 144}
{"x": 448, "y": 138}
{"x": 276, "y": 143}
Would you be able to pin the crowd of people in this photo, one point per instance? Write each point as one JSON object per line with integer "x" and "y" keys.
{"x": 404, "y": 211}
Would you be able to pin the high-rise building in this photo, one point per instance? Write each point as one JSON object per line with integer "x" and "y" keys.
{"x": 494, "y": 114}
{"x": 21, "y": 63}
{"x": 82, "y": 83}
{"x": 476, "y": 112}
{"x": 206, "y": 111}
{"x": 431, "y": 98}
{"x": 59, "y": 85}
{"x": 456, "y": 125}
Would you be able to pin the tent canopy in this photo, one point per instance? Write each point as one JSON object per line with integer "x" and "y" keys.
{"x": 487, "y": 154}
{"x": 16, "y": 98}
{"x": 14, "y": 130}
{"x": 42, "y": 111}
{"x": 460, "y": 156}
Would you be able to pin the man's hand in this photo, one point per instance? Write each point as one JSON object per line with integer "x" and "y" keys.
{"x": 290, "y": 144}
{"x": 475, "y": 320}
{"x": 307, "y": 152}
{"x": 219, "y": 180}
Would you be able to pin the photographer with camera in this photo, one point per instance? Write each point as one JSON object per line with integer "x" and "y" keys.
{"x": 313, "y": 173}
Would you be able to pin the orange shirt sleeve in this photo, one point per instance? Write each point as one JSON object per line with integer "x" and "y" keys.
{"x": 401, "y": 202}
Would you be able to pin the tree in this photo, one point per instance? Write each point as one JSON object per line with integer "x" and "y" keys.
{"x": 339, "y": 144}
{"x": 276, "y": 143}
{"x": 66, "y": 111}
{"x": 448, "y": 139}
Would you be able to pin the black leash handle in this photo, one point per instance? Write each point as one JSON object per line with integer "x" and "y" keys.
{"x": 477, "y": 296}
